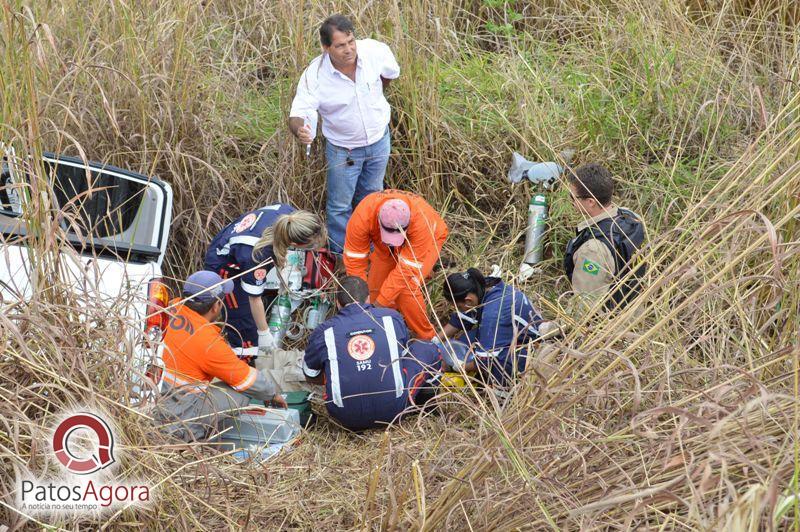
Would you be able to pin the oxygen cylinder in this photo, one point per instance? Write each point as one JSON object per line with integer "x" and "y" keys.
{"x": 534, "y": 234}
{"x": 316, "y": 313}
{"x": 279, "y": 318}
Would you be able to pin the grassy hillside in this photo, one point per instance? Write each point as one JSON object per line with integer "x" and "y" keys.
{"x": 680, "y": 413}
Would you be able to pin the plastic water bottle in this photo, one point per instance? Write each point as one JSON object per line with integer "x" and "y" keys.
{"x": 324, "y": 308}
{"x": 316, "y": 313}
{"x": 312, "y": 316}
{"x": 534, "y": 234}
{"x": 279, "y": 318}
{"x": 307, "y": 122}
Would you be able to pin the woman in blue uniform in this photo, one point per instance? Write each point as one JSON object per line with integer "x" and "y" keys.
{"x": 497, "y": 321}
{"x": 247, "y": 249}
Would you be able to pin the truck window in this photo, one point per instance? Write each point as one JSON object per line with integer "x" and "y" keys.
{"x": 107, "y": 207}
{"x": 103, "y": 204}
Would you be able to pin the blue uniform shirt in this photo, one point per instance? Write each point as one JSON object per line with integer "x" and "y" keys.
{"x": 232, "y": 248}
{"x": 230, "y": 253}
{"x": 368, "y": 373}
{"x": 505, "y": 315}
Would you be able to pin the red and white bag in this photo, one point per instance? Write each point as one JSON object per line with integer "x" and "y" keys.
{"x": 320, "y": 265}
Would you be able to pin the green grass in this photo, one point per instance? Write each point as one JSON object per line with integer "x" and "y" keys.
{"x": 258, "y": 113}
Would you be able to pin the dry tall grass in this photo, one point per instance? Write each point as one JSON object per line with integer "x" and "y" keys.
{"x": 681, "y": 413}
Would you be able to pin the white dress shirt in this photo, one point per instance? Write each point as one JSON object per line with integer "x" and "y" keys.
{"x": 354, "y": 114}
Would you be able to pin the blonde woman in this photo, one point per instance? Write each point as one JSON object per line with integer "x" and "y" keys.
{"x": 247, "y": 249}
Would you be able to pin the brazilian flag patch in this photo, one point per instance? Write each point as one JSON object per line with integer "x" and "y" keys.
{"x": 592, "y": 268}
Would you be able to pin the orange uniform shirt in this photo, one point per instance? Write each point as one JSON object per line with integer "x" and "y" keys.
{"x": 196, "y": 352}
{"x": 415, "y": 259}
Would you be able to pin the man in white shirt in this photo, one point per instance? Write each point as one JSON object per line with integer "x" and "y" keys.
{"x": 345, "y": 86}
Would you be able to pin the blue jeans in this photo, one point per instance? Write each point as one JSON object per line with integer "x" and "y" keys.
{"x": 348, "y": 184}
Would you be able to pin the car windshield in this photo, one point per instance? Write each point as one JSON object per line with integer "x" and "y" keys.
{"x": 10, "y": 204}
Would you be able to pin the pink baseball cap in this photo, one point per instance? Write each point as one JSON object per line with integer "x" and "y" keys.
{"x": 393, "y": 218}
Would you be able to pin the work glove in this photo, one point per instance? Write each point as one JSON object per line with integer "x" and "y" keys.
{"x": 526, "y": 271}
{"x": 448, "y": 353}
{"x": 442, "y": 349}
{"x": 266, "y": 342}
{"x": 457, "y": 365}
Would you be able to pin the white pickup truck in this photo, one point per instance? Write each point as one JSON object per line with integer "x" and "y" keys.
{"x": 117, "y": 225}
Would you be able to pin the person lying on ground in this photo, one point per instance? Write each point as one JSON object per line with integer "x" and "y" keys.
{"x": 406, "y": 236}
{"x": 603, "y": 251}
{"x": 372, "y": 373}
{"x": 497, "y": 322}
{"x": 285, "y": 366}
{"x": 252, "y": 245}
{"x": 195, "y": 353}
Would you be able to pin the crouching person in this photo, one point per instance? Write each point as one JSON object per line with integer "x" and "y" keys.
{"x": 371, "y": 372}
{"x": 195, "y": 353}
{"x": 598, "y": 261}
{"x": 496, "y": 322}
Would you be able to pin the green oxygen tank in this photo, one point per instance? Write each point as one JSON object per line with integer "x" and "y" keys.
{"x": 534, "y": 234}
{"x": 279, "y": 318}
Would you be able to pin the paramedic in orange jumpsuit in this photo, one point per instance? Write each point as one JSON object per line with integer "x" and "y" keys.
{"x": 407, "y": 236}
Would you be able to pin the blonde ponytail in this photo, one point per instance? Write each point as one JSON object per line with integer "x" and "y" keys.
{"x": 300, "y": 227}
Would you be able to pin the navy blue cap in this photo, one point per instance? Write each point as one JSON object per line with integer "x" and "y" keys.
{"x": 212, "y": 285}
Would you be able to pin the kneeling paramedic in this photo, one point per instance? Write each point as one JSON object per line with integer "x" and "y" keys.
{"x": 371, "y": 372}
{"x": 496, "y": 320}
{"x": 248, "y": 249}
{"x": 406, "y": 235}
{"x": 599, "y": 260}
{"x": 195, "y": 353}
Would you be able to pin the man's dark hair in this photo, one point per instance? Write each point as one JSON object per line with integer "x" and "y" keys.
{"x": 331, "y": 24}
{"x": 201, "y": 307}
{"x": 592, "y": 181}
{"x": 352, "y": 289}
